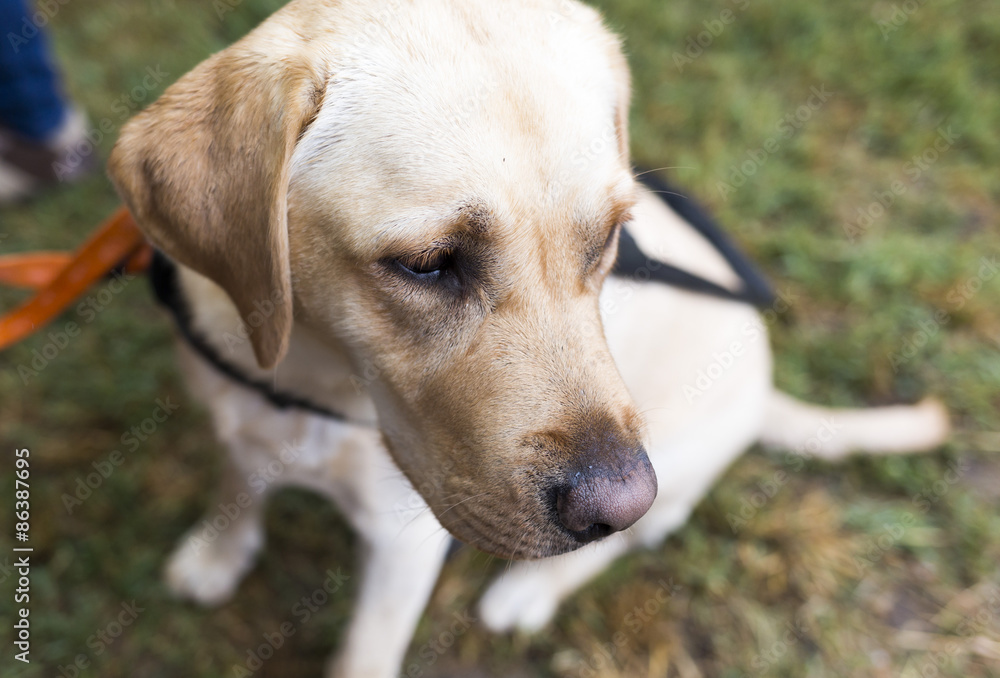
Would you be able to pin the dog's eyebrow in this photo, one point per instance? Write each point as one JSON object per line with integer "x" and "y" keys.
{"x": 418, "y": 231}
{"x": 477, "y": 218}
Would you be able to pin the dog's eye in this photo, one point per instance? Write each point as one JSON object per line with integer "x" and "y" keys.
{"x": 427, "y": 265}
{"x": 609, "y": 250}
{"x": 611, "y": 236}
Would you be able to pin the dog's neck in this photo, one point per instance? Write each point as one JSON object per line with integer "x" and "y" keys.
{"x": 313, "y": 370}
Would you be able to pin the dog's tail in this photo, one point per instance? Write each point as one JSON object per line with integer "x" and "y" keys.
{"x": 831, "y": 433}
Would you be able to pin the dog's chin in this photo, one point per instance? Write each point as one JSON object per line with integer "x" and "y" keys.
{"x": 505, "y": 537}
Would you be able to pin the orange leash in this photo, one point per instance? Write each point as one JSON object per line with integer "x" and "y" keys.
{"x": 61, "y": 278}
{"x": 33, "y": 269}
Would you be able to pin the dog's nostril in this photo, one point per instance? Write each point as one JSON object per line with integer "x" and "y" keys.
{"x": 599, "y": 501}
{"x": 595, "y": 532}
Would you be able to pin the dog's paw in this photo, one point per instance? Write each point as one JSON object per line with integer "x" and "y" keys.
{"x": 525, "y": 600}
{"x": 208, "y": 573}
{"x": 935, "y": 419}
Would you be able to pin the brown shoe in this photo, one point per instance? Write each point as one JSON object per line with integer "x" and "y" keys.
{"x": 28, "y": 167}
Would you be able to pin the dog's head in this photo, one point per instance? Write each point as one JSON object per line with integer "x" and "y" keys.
{"x": 436, "y": 187}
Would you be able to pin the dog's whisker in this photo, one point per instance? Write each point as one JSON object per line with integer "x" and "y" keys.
{"x": 427, "y": 508}
{"x": 410, "y": 522}
{"x": 649, "y": 410}
{"x": 435, "y": 533}
{"x": 475, "y": 496}
{"x": 679, "y": 195}
{"x": 658, "y": 169}
{"x": 524, "y": 533}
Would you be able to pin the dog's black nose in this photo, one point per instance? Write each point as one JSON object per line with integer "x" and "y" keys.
{"x": 600, "y": 499}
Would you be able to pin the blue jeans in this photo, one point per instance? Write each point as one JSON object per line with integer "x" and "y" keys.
{"x": 31, "y": 103}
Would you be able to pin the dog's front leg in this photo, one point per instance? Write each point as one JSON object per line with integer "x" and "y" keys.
{"x": 213, "y": 556}
{"x": 400, "y": 567}
{"x": 527, "y": 595}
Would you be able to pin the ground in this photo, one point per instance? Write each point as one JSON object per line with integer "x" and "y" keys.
{"x": 850, "y": 147}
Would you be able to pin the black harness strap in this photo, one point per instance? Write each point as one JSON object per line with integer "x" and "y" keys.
{"x": 163, "y": 278}
{"x": 632, "y": 263}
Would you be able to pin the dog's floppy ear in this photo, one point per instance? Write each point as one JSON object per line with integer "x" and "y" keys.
{"x": 205, "y": 172}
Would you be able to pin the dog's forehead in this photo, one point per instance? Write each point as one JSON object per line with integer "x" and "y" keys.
{"x": 442, "y": 104}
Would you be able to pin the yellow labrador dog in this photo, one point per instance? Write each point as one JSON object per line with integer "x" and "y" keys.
{"x": 400, "y": 216}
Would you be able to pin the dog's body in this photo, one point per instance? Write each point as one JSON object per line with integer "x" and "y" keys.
{"x": 490, "y": 375}
{"x": 661, "y": 338}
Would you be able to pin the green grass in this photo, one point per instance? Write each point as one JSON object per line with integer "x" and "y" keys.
{"x": 828, "y": 553}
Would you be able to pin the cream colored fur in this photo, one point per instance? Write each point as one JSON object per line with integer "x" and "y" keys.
{"x": 660, "y": 337}
{"x": 282, "y": 175}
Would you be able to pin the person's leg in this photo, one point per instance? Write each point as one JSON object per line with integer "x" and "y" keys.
{"x": 40, "y": 133}
{"x": 31, "y": 103}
